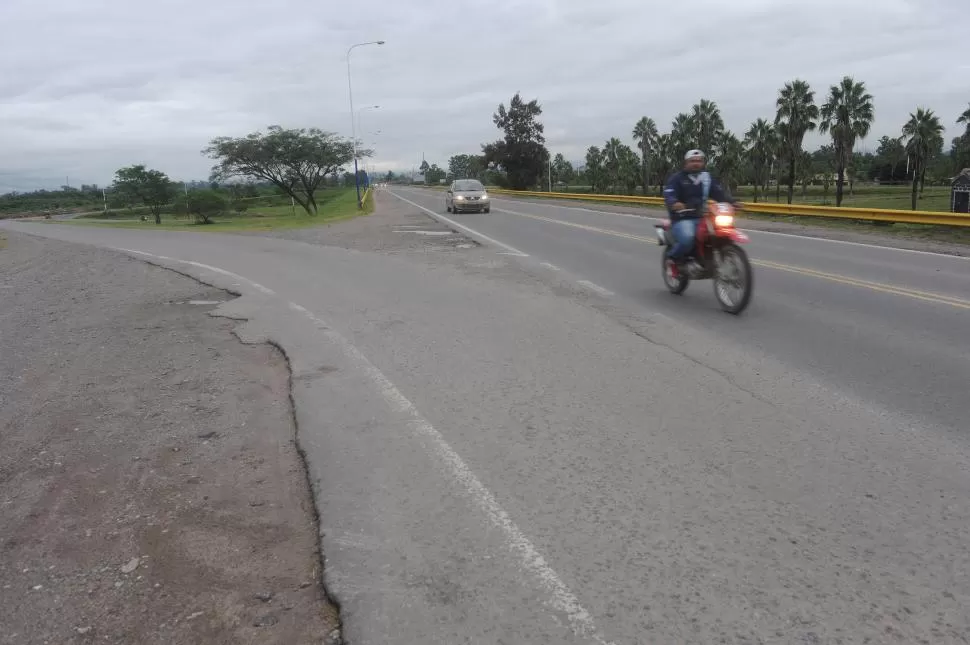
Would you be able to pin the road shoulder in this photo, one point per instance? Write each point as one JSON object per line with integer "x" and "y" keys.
{"x": 152, "y": 489}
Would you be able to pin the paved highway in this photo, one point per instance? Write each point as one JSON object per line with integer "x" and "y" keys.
{"x": 887, "y": 325}
{"x": 531, "y": 442}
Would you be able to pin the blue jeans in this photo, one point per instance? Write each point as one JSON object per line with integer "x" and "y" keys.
{"x": 684, "y": 232}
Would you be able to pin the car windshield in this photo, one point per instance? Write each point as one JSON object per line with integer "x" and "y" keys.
{"x": 469, "y": 184}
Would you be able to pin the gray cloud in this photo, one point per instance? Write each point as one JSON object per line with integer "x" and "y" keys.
{"x": 88, "y": 87}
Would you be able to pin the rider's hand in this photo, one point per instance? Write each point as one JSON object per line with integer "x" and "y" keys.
{"x": 678, "y": 206}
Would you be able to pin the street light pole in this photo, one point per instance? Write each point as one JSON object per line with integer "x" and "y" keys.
{"x": 359, "y": 112}
{"x": 353, "y": 115}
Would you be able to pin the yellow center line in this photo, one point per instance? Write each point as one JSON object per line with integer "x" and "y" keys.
{"x": 855, "y": 282}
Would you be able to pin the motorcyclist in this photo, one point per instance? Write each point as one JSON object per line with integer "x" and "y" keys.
{"x": 684, "y": 196}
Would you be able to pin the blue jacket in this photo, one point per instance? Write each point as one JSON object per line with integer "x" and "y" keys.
{"x": 687, "y": 189}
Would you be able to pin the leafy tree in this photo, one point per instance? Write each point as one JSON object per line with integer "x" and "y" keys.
{"x": 890, "y": 155}
{"x": 595, "y": 172}
{"x": 923, "y": 132}
{"x": 152, "y": 188}
{"x": 389, "y": 177}
{"x": 708, "y": 126}
{"x": 562, "y": 170}
{"x": 205, "y": 204}
{"x": 847, "y": 114}
{"x": 424, "y": 167}
{"x": 646, "y": 135}
{"x": 796, "y": 115}
{"x": 296, "y": 160}
{"x": 466, "y": 166}
{"x": 761, "y": 142}
{"x": 522, "y": 152}
{"x": 434, "y": 174}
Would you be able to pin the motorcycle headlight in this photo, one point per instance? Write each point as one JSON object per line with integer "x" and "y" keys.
{"x": 724, "y": 221}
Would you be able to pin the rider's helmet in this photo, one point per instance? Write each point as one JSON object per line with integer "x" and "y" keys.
{"x": 694, "y": 161}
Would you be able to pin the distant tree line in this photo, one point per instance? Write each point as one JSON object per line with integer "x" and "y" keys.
{"x": 295, "y": 163}
{"x": 770, "y": 152}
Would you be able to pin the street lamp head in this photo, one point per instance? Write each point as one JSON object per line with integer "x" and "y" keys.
{"x": 380, "y": 42}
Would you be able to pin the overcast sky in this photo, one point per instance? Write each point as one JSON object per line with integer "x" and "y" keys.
{"x": 87, "y": 86}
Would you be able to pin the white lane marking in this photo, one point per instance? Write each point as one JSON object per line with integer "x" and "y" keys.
{"x": 511, "y": 249}
{"x": 551, "y": 267}
{"x": 871, "y": 246}
{"x": 207, "y": 267}
{"x": 258, "y": 286}
{"x": 595, "y": 287}
{"x": 561, "y": 598}
{"x": 576, "y": 208}
{"x": 755, "y": 231}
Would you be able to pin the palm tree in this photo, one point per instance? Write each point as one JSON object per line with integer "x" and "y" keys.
{"x": 797, "y": 114}
{"x": 708, "y": 125}
{"x": 594, "y": 168}
{"x": 645, "y": 134}
{"x": 729, "y": 159}
{"x": 847, "y": 114}
{"x": 760, "y": 140}
{"x": 629, "y": 168}
{"x": 682, "y": 135}
{"x": 806, "y": 171}
{"x": 965, "y": 119}
{"x": 922, "y": 132}
{"x": 611, "y": 161}
{"x": 665, "y": 159}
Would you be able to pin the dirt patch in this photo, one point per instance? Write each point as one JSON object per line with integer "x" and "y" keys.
{"x": 393, "y": 227}
{"x": 150, "y": 486}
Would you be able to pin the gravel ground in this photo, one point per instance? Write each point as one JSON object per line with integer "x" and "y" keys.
{"x": 150, "y": 486}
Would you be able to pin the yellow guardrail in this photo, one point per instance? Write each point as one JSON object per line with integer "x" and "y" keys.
{"x": 873, "y": 214}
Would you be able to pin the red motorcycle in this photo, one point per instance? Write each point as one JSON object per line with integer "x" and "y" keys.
{"x": 717, "y": 256}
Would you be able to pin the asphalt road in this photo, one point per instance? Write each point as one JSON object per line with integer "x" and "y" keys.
{"x": 886, "y": 325}
{"x": 501, "y": 453}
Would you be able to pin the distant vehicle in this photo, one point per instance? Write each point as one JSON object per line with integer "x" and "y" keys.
{"x": 467, "y": 196}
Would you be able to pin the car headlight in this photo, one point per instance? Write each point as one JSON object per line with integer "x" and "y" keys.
{"x": 459, "y": 197}
{"x": 484, "y": 197}
{"x": 724, "y": 220}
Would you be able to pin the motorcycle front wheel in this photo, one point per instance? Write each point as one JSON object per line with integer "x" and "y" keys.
{"x": 733, "y": 280}
{"x": 676, "y": 285}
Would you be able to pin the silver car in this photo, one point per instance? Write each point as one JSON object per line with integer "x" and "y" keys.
{"x": 467, "y": 196}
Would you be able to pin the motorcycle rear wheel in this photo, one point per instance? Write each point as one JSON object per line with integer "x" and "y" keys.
{"x": 733, "y": 286}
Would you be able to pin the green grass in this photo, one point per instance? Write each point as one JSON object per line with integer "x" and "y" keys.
{"x": 334, "y": 206}
{"x": 935, "y": 198}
